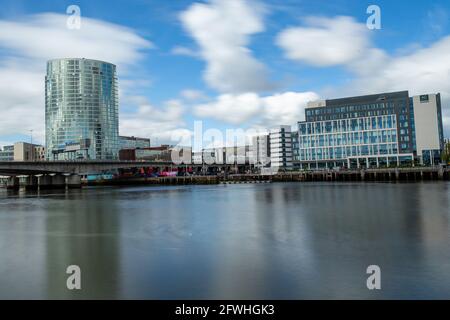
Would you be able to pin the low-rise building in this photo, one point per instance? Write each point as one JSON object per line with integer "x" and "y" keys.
{"x": 23, "y": 151}
{"x": 133, "y": 142}
{"x": 164, "y": 153}
{"x": 7, "y": 153}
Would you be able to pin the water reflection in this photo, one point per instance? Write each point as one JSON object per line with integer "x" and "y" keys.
{"x": 292, "y": 240}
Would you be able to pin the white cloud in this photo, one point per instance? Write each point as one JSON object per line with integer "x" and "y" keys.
{"x": 231, "y": 108}
{"x": 325, "y": 41}
{"x": 252, "y": 109}
{"x": 184, "y": 51}
{"x": 46, "y": 36}
{"x": 287, "y": 107}
{"x": 22, "y": 100}
{"x": 193, "y": 95}
{"x": 425, "y": 71}
{"x": 342, "y": 41}
{"x": 28, "y": 43}
{"x": 222, "y": 29}
{"x": 159, "y": 124}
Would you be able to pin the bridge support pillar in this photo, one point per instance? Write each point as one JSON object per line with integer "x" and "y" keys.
{"x": 73, "y": 181}
{"x": 441, "y": 173}
{"x": 44, "y": 182}
{"x": 363, "y": 175}
{"x": 58, "y": 181}
{"x": 13, "y": 183}
{"x": 31, "y": 183}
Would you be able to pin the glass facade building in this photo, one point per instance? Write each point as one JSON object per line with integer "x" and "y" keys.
{"x": 339, "y": 141}
{"x": 363, "y": 131}
{"x": 7, "y": 154}
{"x": 81, "y": 110}
{"x": 397, "y": 103}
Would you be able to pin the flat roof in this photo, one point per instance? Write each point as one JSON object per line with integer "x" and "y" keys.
{"x": 358, "y": 99}
{"x": 80, "y": 59}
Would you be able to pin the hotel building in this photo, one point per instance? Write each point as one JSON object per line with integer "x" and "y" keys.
{"x": 369, "y": 131}
{"x": 429, "y": 133}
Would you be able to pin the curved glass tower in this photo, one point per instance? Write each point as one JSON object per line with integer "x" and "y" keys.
{"x": 81, "y": 110}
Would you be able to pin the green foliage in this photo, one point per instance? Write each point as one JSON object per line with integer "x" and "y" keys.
{"x": 446, "y": 153}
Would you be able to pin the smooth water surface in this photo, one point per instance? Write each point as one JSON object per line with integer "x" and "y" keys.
{"x": 252, "y": 241}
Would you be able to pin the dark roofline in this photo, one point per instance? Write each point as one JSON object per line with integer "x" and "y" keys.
{"x": 133, "y": 138}
{"x": 368, "y": 98}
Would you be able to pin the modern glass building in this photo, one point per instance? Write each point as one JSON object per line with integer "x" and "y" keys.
{"x": 81, "y": 110}
{"x": 367, "y": 131}
{"x": 7, "y": 154}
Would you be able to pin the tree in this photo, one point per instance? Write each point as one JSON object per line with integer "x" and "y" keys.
{"x": 446, "y": 153}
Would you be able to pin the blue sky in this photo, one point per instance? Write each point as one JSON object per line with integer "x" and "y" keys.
{"x": 228, "y": 63}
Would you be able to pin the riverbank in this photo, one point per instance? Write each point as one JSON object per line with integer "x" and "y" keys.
{"x": 362, "y": 175}
{"x": 388, "y": 174}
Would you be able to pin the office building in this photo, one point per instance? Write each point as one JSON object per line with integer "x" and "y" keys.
{"x": 7, "y": 154}
{"x": 280, "y": 147}
{"x": 133, "y": 143}
{"x": 81, "y": 110}
{"x": 23, "y": 151}
{"x": 367, "y": 131}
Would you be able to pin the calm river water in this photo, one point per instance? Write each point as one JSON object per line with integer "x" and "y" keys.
{"x": 254, "y": 241}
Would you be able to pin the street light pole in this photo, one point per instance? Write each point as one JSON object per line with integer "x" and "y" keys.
{"x": 31, "y": 142}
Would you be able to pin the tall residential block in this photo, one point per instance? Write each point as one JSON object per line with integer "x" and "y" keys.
{"x": 281, "y": 147}
{"x": 81, "y": 110}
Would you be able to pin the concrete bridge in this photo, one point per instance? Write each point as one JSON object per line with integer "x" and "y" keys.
{"x": 15, "y": 168}
{"x": 61, "y": 174}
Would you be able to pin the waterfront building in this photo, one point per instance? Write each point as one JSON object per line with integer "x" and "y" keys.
{"x": 280, "y": 147}
{"x": 197, "y": 157}
{"x": 7, "y": 154}
{"x": 133, "y": 143}
{"x": 39, "y": 153}
{"x": 23, "y": 151}
{"x": 81, "y": 110}
{"x": 429, "y": 133}
{"x": 260, "y": 151}
{"x": 367, "y": 131}
{"x": 232, "y": 155}
{"x": 163, "y": 153}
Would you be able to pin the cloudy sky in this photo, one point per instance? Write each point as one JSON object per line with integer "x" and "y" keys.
{"x": 230, "y": 63}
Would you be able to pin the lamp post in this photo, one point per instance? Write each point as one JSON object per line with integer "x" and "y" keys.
{"x": 31, "y": 143}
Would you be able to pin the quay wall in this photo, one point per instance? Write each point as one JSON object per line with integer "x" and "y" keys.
{"x": 388, "y": 174}
{"x": 392, "y": 174}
